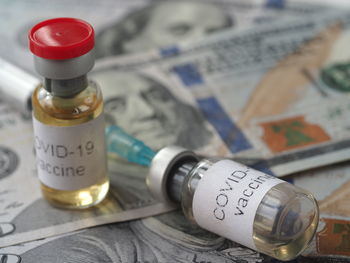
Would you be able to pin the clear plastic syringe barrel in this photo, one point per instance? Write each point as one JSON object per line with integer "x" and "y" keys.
{"x": 285, "y": 221}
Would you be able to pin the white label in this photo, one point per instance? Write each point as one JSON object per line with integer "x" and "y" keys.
{"x": 70, "y": 157}
{"x": 227, "y": 198}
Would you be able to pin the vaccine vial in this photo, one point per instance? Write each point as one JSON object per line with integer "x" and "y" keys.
{"x": 232, "y": 200}
{"x": 68, "y": 116}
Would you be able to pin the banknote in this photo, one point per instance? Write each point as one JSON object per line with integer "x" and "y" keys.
{"x": 339, "y": 3}
{"x": 22, "y": 203}
{"x": 239, "y": 80}
{"x": 25, "y": 215}
{"x": 124, "y": 27}
{"x": 327, "y": 126}
{"x": 330, "y": 185}
{"x": 165, "y": 238}
{"x": 160, "y": 238}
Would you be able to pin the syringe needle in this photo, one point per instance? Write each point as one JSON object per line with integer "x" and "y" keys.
{"x": 128, "y": 147}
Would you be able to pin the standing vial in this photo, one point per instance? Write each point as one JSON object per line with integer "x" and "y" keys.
{"x": 68, "y": 116}
{"x": 249, "y": 207}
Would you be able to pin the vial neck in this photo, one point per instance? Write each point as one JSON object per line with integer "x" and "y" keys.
{"x": 176, "y": 180}
{"x": 66, "y": 87}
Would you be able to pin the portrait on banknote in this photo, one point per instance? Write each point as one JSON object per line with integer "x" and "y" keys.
{"x": 161, "y": 24}
{"x": 147, "y": 110}
{"x": 138, "y": 104}
{"x": 279, "y": 65}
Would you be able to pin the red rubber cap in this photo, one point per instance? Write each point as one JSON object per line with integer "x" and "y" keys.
{"x": 61, "y": 38}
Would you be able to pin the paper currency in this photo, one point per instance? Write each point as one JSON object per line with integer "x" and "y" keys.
{"x": 163, "y": 24}
{"x": 25, "y": 215}
{"x": 21, "y": 204}
{"x": 239, "y": 81}
{"x": 154, "y": 239}
{"x": 338, "y": 3}
{"x": 133, "y": 26}
{"x": 330, "y": 186}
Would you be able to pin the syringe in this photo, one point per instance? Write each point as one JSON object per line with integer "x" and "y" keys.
{"x": 128, "y": 147}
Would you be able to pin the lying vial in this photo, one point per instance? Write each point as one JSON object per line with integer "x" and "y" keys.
{"x": 232, "y": 200}
{"x": 68, "y": 116}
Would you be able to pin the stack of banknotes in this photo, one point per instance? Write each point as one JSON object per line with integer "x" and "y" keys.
{"x": 263, "y": 82}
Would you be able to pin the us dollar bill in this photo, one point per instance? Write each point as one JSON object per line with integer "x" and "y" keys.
{"x": 246, "y": 86}
{"x": 22, "y": 205}
{"x": 25, "y": 215}
{"x": 153, "y": 239}
{"x": 330, "y": 186}
{"x": 125, "y": 27}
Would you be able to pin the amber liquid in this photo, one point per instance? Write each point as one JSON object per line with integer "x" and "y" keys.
{"x": 285, "y": 221}
{"x": 289, "y": 235}
{"x": 68, "y": 111}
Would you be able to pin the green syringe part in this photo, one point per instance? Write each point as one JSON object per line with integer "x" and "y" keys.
{"x": 128, "y": 147}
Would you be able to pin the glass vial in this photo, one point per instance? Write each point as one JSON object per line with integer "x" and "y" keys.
{"x": 68, "y": 116}
{"x": 249, "y": 207}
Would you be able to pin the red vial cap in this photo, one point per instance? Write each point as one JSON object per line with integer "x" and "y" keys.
{"x": 61, "y": 38}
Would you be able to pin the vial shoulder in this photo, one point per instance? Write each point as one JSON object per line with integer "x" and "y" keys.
{"x": 66, "y": 111}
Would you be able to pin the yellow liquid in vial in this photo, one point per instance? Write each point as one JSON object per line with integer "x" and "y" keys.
{"x": 83, "y": 107}
{"x": 296, "y": 225}
{"x": 82, "y": 198}
{"x": 285, "y": 221}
